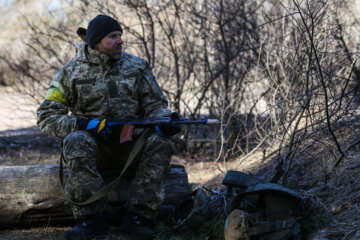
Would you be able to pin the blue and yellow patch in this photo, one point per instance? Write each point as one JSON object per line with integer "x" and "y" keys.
{"x": 54, "y": 94}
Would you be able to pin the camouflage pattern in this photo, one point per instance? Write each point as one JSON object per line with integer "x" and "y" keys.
{"x": 95, "y": 86}
{"x": 147, "y": 189}
{"x": 92, "y": 85}
{"x": 87, "y": 158}
{"x": 79, "y": 150}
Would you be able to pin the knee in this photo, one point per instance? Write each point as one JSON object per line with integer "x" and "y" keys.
{"x": 79, "y": 144}
{"x": 158, "y": 144}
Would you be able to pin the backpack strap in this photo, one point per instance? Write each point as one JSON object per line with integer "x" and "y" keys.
{"x": 266, "y": 227}
{"x": 239, "y": 180}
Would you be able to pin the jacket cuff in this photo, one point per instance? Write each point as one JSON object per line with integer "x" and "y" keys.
{"x": 159, "y": 131}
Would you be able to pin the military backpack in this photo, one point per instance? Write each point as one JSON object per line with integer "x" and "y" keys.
{"x": 268, "y": 211}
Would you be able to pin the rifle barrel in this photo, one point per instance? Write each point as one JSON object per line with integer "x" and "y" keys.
{"x": 163, "y": 120}
{"x": 212, "y": 122}
{"x": 205, "y": 121}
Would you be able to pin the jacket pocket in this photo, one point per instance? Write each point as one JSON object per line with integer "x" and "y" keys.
{"x": 91, "y": 96}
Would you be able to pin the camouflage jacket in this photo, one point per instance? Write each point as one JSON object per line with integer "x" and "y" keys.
{"x": 93, "y": 86}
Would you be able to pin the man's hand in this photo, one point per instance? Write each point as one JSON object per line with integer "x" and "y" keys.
{"x": 168, "y": 130}
{"x": 100, "y": 128}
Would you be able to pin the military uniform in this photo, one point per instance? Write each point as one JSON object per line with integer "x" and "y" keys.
{"x": 92, "y": 85}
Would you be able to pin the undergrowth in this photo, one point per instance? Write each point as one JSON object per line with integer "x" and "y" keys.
{"x": 213, "y": 229}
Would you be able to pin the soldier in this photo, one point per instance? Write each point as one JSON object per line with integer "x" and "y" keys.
{"x": 100, "y": 83}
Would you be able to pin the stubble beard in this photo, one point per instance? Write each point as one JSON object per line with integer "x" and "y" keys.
{"x": 117, "y": 55}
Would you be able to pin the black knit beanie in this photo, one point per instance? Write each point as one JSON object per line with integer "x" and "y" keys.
{"x": 99, "y": 27}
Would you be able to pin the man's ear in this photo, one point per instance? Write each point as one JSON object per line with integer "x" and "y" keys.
{"x": 96, "y": 47}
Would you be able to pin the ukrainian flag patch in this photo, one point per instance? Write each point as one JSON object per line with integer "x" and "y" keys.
{"x": 54, "y": 94}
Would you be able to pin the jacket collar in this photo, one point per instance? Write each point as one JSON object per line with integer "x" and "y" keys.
{"x": 85, "y": 54}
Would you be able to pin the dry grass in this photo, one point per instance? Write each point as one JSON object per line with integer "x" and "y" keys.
{"x": 340, "y": 192}
{"x": 53, "y": 233}
{"x": 337, "y": 187}
{"x": 313, "y": 172}
{"x": 32, "y": 234}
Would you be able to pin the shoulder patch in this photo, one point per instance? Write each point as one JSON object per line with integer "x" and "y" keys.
{"x": 54, "y": 94}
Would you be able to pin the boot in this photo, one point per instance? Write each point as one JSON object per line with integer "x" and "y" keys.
{"x": 139, "y": 227}
{"x": 93, "y": 226}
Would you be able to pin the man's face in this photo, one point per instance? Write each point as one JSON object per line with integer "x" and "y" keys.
{"x": 111, "y": 45}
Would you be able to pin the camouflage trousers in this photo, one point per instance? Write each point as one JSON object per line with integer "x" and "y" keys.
{"x": 87, "y": 157}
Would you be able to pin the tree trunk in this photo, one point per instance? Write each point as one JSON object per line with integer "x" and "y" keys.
{"x": 31, "y": 195}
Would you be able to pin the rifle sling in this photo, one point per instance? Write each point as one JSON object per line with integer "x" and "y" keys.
{"x": 103, "y": 191}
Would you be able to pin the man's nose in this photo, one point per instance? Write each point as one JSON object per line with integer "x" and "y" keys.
{"x": 119, "y": 40}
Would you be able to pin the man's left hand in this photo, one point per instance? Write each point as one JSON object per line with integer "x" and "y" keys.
{"x": 168, "y": 129}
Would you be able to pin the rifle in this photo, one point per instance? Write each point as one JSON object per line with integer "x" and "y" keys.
{"x": 129, "y": 125}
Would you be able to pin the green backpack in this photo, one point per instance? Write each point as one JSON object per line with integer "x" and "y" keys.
{"x": 198, "y": 208}
{"x": 266, "y": 211}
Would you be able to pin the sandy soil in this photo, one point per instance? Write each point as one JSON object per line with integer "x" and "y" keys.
{"x": 16, "y": 110}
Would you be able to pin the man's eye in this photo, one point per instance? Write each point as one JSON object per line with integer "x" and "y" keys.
{"x": 113, "y": 36}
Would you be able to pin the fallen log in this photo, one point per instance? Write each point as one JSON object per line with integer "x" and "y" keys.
{"x": 31, "y": 195}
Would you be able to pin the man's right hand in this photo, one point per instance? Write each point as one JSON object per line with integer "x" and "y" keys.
{"x": 100, "y": 128}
